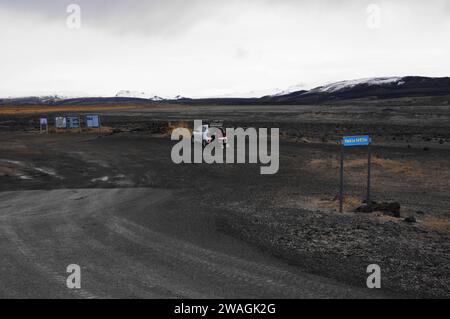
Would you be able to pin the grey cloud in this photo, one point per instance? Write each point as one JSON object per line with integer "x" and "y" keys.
{"x": 168, "y": 17}
{"x": 124, "y": 16}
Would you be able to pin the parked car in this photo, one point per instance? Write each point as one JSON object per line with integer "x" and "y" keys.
{"x": 206, "y": 134}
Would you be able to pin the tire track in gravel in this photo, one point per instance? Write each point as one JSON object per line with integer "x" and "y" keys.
{"x": 47, "y": 230}
{"x": 230, "y": 268}
{"x": 35, "y": 259}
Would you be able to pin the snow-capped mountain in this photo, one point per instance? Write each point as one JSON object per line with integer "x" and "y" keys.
{"x": 145, "y": 95}
{"x": 139, "y": 95}
{"x": 53, "y": 98}
{"x": 255, "y": 94}
{"x": 42, "y": 99}
{"x": 369, "y": 88}
{"x": 345, "y": 85}
{"x": 289, "y": 90}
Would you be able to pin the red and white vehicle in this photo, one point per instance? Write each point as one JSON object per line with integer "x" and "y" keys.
{"x": 208, "y": 133}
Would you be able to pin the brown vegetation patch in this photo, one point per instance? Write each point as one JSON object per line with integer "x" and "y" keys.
{"x": 63, "y": 108}
{"x": 436, "y": 223}
{"x": 179, "y": 124}
{"x": 407, "y": 168}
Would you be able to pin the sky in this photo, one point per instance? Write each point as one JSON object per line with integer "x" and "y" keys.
{"x": 201, "y": 48}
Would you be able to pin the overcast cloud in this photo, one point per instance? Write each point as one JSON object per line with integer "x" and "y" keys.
{"x": 215, "y": 47}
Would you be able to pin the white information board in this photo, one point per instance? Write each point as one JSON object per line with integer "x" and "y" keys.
{"x": 60, "y": 122}
{"x": 93, "y": 121}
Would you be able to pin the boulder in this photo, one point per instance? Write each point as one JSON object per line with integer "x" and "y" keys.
{"x": 391, "y": 209}
{"x": 410, "y": 219}
{"x": 364, "y": 209}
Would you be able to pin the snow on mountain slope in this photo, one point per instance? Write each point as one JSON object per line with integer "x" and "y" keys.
{"x": 344, "y": 85}
{"x": 139, "y": 95}
{"x": 341, "y": 85}
{"x": 291, "y": 89}
{"x": 144, "y": 95}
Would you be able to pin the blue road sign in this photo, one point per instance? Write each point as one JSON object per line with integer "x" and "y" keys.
{"x": 356, "y": 140}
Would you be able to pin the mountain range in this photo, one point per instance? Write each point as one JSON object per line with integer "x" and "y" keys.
{"x": 369, "y": 89}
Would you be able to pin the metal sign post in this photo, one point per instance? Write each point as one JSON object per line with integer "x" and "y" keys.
{"x": 348, "y": 141}
{"x": 369, "y": 164}
{"x": 341, "y": 192}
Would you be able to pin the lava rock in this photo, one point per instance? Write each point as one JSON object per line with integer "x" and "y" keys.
{"x": 391, "y": 209}
{"x": 364, "y": 209}
{"x": 410, "y": 219}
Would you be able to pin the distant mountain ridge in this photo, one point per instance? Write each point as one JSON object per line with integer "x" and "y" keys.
{"x": 379, "y": 88}
{"x": 370, "y": 88}
{"x": 144, "y": 95}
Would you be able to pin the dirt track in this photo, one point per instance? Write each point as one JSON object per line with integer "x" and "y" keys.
{"x": 141, "y": 226}
{"x": 130, "y": 255}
